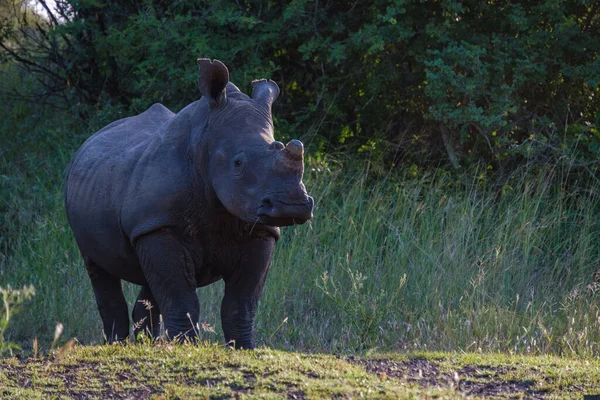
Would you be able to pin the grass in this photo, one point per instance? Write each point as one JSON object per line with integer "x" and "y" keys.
{"x": 391, "y": 262}
{"x": 187, "y": 371}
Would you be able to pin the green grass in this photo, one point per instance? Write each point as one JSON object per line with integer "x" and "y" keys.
{"x": 511, "y": 269}
{"x": 175, "y": 371}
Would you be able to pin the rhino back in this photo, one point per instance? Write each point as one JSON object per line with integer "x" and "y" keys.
{"x": 125, "y": 180}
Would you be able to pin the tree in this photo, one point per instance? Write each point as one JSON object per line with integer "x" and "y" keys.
{"x": 499, "y": 82}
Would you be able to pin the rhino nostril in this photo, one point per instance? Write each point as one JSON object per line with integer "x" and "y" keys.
{"x": 266, "y": 203}
{"x": 266, "y": 207}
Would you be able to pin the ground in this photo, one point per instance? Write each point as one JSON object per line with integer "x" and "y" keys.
{"x": 185, "y": 371}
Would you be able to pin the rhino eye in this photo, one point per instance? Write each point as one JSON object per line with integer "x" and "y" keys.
{"x": 239, "y": 163}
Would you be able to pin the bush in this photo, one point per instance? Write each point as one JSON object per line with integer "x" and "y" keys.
{"x": 500, "y": 83}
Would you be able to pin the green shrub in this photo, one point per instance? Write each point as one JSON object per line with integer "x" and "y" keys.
{"x": 499, "y": 83}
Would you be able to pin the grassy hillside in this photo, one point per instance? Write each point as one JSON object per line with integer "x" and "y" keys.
{"x": 176, "y": 372}
{"x": 411, "y": 260}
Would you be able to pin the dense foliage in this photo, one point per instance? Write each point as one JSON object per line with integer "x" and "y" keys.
{"x": 417, "y": 81}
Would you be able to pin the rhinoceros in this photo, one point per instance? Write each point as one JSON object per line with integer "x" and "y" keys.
{"x": 173, "y": 202}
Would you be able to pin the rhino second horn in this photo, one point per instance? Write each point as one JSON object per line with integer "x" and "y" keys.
{"x": 295, "y": 150}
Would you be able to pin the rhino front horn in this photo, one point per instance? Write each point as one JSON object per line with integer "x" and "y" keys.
{"x": 294, "y": 150}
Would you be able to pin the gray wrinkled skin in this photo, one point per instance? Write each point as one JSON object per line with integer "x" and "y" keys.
{"x": 173, "y": 202}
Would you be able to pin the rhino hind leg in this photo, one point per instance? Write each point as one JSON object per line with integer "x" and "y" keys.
{"x": 111, "y": 302}
{"x": 146, "y": 315}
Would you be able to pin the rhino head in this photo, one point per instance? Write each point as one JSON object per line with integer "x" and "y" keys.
{"x": 255, "y": 177}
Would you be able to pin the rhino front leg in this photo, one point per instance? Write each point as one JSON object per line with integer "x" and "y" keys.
{"x": 242, "y": 292}
{"x": 146, "y": 314}
{"x": 111, "y": 302}
{"x": 169, "y": 271}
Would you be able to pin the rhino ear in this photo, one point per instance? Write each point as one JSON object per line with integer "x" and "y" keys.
{"x": 265, "y": 91}
{"x": 212, "y": 81}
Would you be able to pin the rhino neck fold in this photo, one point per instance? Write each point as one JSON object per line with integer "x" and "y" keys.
{"x": 197, "y": 116}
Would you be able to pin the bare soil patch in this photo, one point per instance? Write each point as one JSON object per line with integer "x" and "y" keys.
{"x": 470, "y": 380}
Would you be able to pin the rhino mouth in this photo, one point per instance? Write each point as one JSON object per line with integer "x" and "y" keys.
{"x": 278, "y": 213}
{"x": 280, "y": 221}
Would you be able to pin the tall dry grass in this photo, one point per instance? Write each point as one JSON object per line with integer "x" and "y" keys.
{"x": 389, "y": 262}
